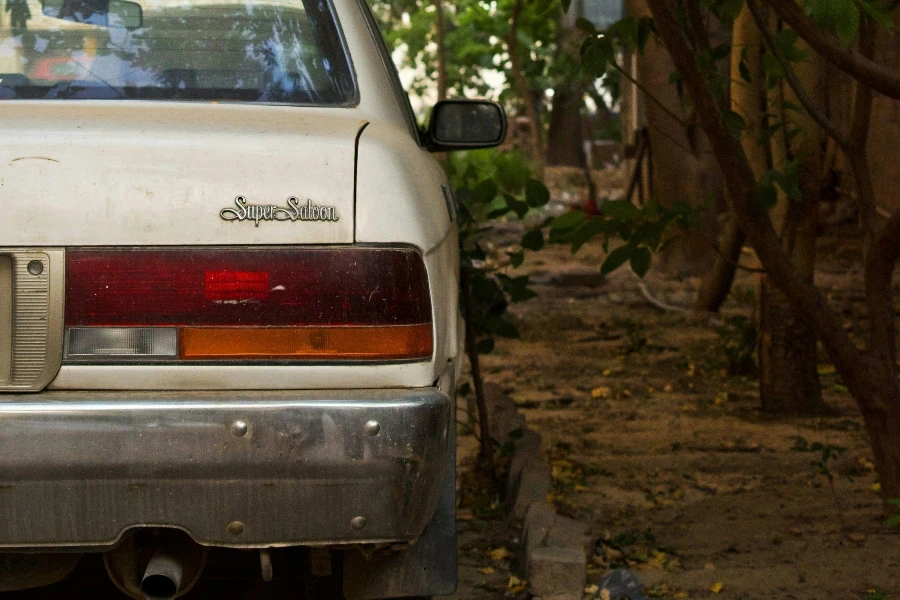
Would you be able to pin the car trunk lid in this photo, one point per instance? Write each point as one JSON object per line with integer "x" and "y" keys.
{"x": 107, "y": 173}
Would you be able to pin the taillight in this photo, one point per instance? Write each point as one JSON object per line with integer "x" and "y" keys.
{"x": 247, "y": 304}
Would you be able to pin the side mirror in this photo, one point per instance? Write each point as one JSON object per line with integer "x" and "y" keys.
{"x": 102, "y": 13}
{"x": 466, "y": 125}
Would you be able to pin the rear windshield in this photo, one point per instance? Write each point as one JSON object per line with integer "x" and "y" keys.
{"x": 283, "y": 51}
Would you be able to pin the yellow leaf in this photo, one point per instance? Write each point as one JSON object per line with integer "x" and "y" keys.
{"x": 601, "y": 392}
{"x": 716, "y": 587}
{"x": 680, "y": 595}
{"x": 591, "y": 589}
{"x": 500, "y": 554}
{"x": 486, "y": 570}
{"x": 668, "y": 387}
{"x": 516, "y": 585}
{"x": 876, "y": 487}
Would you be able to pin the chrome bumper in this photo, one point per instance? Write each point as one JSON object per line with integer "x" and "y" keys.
{"x": 236, "y": 469}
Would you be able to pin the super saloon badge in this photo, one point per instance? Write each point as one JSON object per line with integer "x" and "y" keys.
{"x": 295, "y": 211}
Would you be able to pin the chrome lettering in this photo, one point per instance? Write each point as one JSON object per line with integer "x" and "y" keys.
{"x": 295, "y": 211}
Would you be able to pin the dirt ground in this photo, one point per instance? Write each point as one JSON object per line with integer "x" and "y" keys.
{"x": 666, "y": 455}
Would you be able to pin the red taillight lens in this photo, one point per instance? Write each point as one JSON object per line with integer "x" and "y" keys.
{"x": 222, "y": 301}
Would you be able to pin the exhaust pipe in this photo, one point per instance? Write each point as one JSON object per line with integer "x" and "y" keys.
{"x": 155, "y": 564}
{"x": 162, "y": 578}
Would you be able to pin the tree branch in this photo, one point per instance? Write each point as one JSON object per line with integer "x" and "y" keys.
{"x": 753, "y": 217}
{"x": 649, "y": 94}
{"x": 864, "y": 70}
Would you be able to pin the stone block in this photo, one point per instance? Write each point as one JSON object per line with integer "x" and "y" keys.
{"x": 555, "y": 571}
{"x": 569, "y": 533}
{"x": 533, "y": 486}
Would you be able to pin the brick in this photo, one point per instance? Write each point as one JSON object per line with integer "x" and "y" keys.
{"x": 569, "y": 533}
{"x": 525, "y": 450}
{"x": 534, "y": 485}
{"x": 556, "y": 571}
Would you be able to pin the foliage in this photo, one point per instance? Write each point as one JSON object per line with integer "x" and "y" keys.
{"x": 894, "y": 521}
{"x": 475, "y": 42}
{"x": 738, "y": 336}
{"x": 490, "y": 185}
{"x": 642, "y": 229}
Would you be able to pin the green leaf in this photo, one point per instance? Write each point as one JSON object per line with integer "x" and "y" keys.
{"x": 720, "y": 52}
{"x": 766, "y": 192}
{"x": 533, "y": 240}
{"x": 585, "y": 233}
{"x": 485, "y": 345}
{"x": 640, "y": 261}
{"x": 620, "y": 209}
{"x": 596, "y": 54}
{"x": 516, "y": 259}
{"x": 744, "y": 70}
{"x": 569, "y": 220}
{"x": 616, "y": 259}
{"x": 726, "y": 10}
{"x": 840, "y": 16}
{"x": 847, "y": 26}
{"x": 484, "y": 192}
{"x": 586, "y": 26}
{"x": 536, "y": 193}
{"x": 878, "y": 12}
{"x": 785, "y": 41}
{"x": 517, "y": 206}
{"x": 734, "y": 122}
{"x": 773, "y": 69}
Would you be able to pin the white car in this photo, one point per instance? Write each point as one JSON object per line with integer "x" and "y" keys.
{"x": 228, "y": 297}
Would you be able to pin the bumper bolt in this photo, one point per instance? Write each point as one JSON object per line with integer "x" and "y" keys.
{"x": 373, "y": 428}
{"x": 235, "y": 528}
{"x": 358, "y": 523}
{"x": 35, "y": 267}
{"x": 239, "y": 428}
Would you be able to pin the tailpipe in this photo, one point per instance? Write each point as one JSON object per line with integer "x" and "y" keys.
{"x": 163, "y": 575}
{"x": 156, "y": 564}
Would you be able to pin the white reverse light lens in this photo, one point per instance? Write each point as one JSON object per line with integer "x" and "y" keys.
{"x": 121, "y": 342}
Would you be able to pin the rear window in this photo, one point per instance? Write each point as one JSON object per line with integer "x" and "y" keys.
{"x": 280, "y": 51}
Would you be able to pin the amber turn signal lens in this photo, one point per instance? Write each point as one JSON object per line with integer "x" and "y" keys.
{"x": 393, "y": 342}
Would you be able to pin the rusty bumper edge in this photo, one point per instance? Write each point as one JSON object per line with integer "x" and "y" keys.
{"x": 235, "y": 469}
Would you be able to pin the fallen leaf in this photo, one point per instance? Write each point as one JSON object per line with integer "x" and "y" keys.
{"x": 668, "y": 387}
{"x": 591, "y": 589}
{"x": 604, "y": 595}
{"x": 857, "y": 538}
{"x": 486, "y": 570}
{"x": 516, "y": 585}
{"x": 876, "y": 487}
{"x": 500, "y": 554}
{"x": 709, "y": 567}
{"x": 796, "y": 531}
{"x": 716, "y": 587}
{"x": 680, "y": 595}
{"x": 601, "y": 392}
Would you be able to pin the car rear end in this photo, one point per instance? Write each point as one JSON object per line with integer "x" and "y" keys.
{"x": 217, "y": 329}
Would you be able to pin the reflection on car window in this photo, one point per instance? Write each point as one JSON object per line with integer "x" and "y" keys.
{"x": 223, "y": 50}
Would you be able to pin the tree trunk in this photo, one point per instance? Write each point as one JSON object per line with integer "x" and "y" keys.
{"x": 716, "y": 286}
{"x": 565, "y": 139}
{"x": 440, "y": 26}
{"x": 523, "y": 89}
{"x": 882, "y": 418}
{"x": 788, "y": 353}
{"x": 684, "y": 169}
{"x": 747, "y": 99}
{"x": 871, "y": 375}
